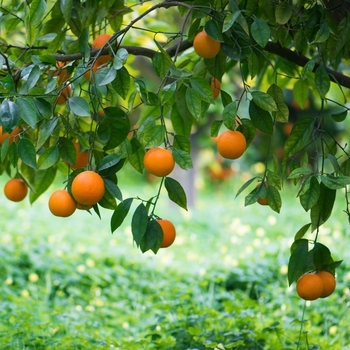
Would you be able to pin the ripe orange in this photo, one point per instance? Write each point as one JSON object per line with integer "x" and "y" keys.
{"x": 328, "y": 281}
{"x": 262, "y": 201}
{"x": 309, "y": 286}
{"x": 169, "y": 232}
{"x": 231, "y": 144}
{"x": 205, "y": 46}
{"x": 215, "y": 87}
{"x": 159, "y": 161}
{"x": 12, "y": 136}
{"x": 98, "y": 43}
{"x": 88, "y": 188}
{"x": 61, "y": 72}
{"x": 62, "y": 204}
{"x": 82, "y": 158}
{"x": 15, "y": 190}
{"x": 64, "y": 95}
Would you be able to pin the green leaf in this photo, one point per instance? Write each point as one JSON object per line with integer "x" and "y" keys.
{"x": 161, "y": 63}
{"x": 248, "y": 129}
{"x": 48, "y": 158}
{"x": 31, "y": 80}
{"x": 298, "y": 260}
{"x": 26, "y": 152}
{"x": 201, "y": 87}
{"x": 213, "y": 30}
{"x": 260, "y": 31}
{"x": 152, "y": 238}
{"x": 114, "y": 127}
{"x": 307, "y": 69}
{"x": 139, "y": 223}
{"x": 322, "y": 34}
{"x": 193, "y": 102}
{"x": 182, "y": 142}
{"x": 299, "y": 137}
{"x": 67, "y": 150}
{"x": 229, "y": 115}
{"x": 28, "y": 111}
{"x": 37, "y": 11}
{"x": 264, "y": 101}
{"x": 274, "y": 198}
{"x": 283, "y": 12}
{"x": 335, "y": 182}
{"x": 282, "y": 113}
{"x": 215, "y": 128}
{"x": 57, "y": 42}
{"x": 9, "y": 115}
{"x": 121, "y": 84}
{"x": 108, "y": 161}
{"x": 137, "y": 155}
{"x": 109, "y": 77}
{"x": 245, "y": 185}
{"x": 41, "y": 182}
{"x": 301, "y": 92}
{"x": 182, "y": 158}
{"x": 321, "y": 256}
{"x": 151, "y": 134}
{"x": 322, "y": 210}
{"x": 46, "y": 131}
{"x": 260, "y": 118}
{"x": 167, "y": 92}
{"x": 84, "y": 47}
{"x": 43, "y": 107}
{"x": 120, "y": 58}
{"x": 79, "y": 106}
{"x": 141, "y": 89}
{"x": 175, "y": 192}
{"x": 230, "y": 20}
{"x": 120, "y": 213}
{"x": 340, "y": 116}
{"x": 322, "y": 81}
{"x": 66, "y": 8}
{"x": 113, "y": 189}
{"x": 300, "y": 172}
{"x": 300, "y": 234}
{"x": 310, "y": 197}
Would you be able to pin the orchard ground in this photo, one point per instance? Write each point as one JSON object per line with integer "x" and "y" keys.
{"x": 68, "y": 283}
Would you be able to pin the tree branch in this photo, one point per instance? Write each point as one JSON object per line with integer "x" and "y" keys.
{"x": 301, "y": 60}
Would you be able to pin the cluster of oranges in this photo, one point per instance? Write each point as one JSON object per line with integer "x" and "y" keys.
{"x": 312, "y": 286}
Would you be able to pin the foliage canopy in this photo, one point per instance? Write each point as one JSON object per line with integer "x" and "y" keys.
{"x": 273, "y": 46}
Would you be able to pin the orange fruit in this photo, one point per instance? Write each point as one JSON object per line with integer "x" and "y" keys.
{"x": 159, "y": 161}
{"x": 231, "y": 144}
{"x": 62, "y": 204}
{"x": 215, "y": 87}
{"x": 205, "y": 46}
{"x": 64, "y": 95}
{"x": 82, "y": 158}
{"x": 88, "y": 188}
{"x": 328, "y": 281}
{"x": 310, "y": 286}
{"x": 100, "y": 42}
{"x": 169, "y": 232}
{"x": 61, "y": 72}
{"x": 262, "y": 201}
{"x": 15, "y": 190}
{"x": 12, "y": 136}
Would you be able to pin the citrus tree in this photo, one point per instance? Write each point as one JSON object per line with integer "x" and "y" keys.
{"x": 69, "y": 96}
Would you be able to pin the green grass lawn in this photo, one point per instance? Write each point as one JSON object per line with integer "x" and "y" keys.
{"x": 71, "y": 284}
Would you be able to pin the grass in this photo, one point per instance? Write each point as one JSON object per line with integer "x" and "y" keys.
{"x": 71, "y": 284}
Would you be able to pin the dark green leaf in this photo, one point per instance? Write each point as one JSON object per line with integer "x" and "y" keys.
{"x": 244, "y": 186}
{"x": 139, "y": 223}
{"x": 260, "y": 118}
{"x": 79, "y": 106}
{"x": 27, "y": 153}
{"x": 46, "y": 131}
{"x": 161, "y": 63}
{"x": 260, "y": 31}
{"x": 340, "y": 117}
{"x": 322, "y": 81}
{"x": 48, "y": 158}
{"x": 274, "y": 198}
{"x": 9, "y": 116}
{"x": 121, "y": 84}
{"x": 213, "y": 30}
{"x": 152, "y": 238}
{"x": 300, "y": 234}
{"x": 321, "y": 256}
{"x": 300, "y": 172}
{"x": 193, "y": 102}
{"x": 120, "y": 213}
{"x": 298, "y": 260}
{"x": 41, "y": 182}
{"x": 175, "y": 192}
{"x": 229, "y": 115}
{"x": 108, "y": 161}
{"x": 28, "y": 111}
{"x": 182, "y": 158}
{"x": 310, "y": 197}
{"x": 264, "y": 101}
{"x": 113, "y": 189}
{"x": 335, "y": 182}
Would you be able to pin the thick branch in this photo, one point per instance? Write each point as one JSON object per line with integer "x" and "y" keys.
{"x": 301, "y": 60}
